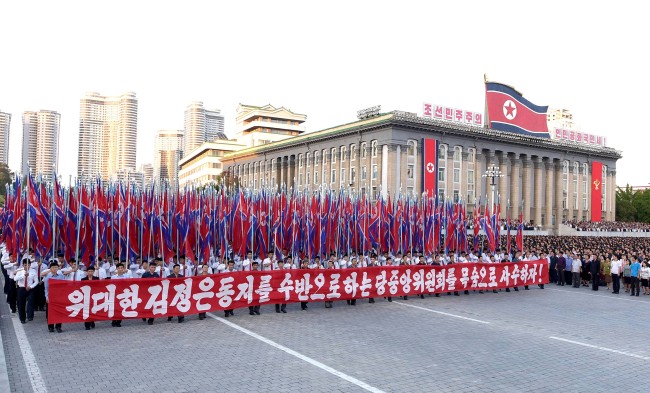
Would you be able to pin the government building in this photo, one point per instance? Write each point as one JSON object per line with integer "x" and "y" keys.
{"x": 547, "y": 180}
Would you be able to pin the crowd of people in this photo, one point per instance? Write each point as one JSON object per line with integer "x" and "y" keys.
{"x": 608, "y": 226}
{"x": 573, "y": 260}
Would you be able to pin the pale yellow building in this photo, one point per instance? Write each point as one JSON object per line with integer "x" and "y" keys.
{"x": 204, "y": 165}
{"x": 260, "y": 125}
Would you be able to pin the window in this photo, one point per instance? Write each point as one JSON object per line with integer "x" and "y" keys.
{"x": 344, "y": 153}
{"x": 374, "y": 149}
{"x": 308, "y": 163}
{"x": 333, "y": 155}
{"x": 374, "y": 172}
{"x": 576, "y": 171}
{"x": 565, "y": 184}
{"x": 585, "y": 186}
{"x": 315, "y": 177}
{"x": 442, "y": 171}
{"x": 300, "y": 179}
{"x": 456, "y": 174}
{"x": 333, "y": 178}
{"x": 307, "y": 182}
{"x": 471, "y": 187}
{"x": 364, "y": 152}
{"x": 343, "y": 171}
{"x": 411, "y": 146}
{"x": 353, "y": 175}
{"x": 324, "y": 157}
{"x": 363, "y": 173}
{"x": 604, "y": 189}
{"x": 410, "y": 172}
{"x": 353, "y": 152}
{"x": 316, "y": 158}
{"x": 300, "y": 161}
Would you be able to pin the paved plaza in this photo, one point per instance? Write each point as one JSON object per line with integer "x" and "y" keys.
{"x": 556, "y": 339}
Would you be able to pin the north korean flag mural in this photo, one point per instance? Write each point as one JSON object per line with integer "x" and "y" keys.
{"x": 596, "y": 191}
{"x": 430, "y": 166}
{"x": 509, "y": 111}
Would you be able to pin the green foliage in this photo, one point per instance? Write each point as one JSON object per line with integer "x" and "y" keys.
{"x": 6, "y": 176}
{"x": 631, "y": 205}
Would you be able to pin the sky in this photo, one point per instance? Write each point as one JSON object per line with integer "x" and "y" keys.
{"x": 327, "y": 60}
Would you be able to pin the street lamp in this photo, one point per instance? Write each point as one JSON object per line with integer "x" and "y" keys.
{"x": 493, "y": 173}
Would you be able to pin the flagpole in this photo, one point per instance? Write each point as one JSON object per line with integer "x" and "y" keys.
{"x": 29, "y": 175}
{"x": 76, "y": 254}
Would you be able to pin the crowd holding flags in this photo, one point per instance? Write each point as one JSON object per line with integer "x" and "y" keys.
{"x": 94, "y": 219}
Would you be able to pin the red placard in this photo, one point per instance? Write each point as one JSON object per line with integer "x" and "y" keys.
{"x": 79, "y": 301}
{"x": 596, "y": 190}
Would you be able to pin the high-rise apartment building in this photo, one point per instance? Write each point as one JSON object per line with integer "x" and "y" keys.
{"x": 40, "y": 150}
{"x": 201, "y": 125}
{"x": 108, "y": 133}
{"x": 5, "y": 122}
{"x": 168, "y": 152}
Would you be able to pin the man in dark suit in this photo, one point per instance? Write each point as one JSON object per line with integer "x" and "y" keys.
{"x": 176, "y": 273}
{"x": 151, "y": 273}
{"x": 595, "y": 272}
{"x": 90, "y": 276}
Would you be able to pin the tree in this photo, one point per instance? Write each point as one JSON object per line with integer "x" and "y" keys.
{"x": 6, "y": 177}
{"x": 625, "y": 204}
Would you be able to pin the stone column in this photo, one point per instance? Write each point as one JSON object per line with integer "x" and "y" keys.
{"x": 559, "y": 207}
{"x": 515, "y": 202}
{"x": 548, "y": 200}
{"x": 479, "y": 169}
{"x": 490, "y": 161}
{"x": 503, "y": 180}
{"x": 526, "y": 200}
{"x": 537, "y": 192}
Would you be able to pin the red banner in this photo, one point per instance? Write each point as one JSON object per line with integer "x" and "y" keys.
{"x": 596, "y": 190}
{"x": 79, "y": 301}
{"x": 430, "y": 166}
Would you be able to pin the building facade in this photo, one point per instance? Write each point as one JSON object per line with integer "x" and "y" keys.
{"x": 204, "y": 164}
{"x": 546, "y": 180}
{"x": 40, "y": 146}
{"x": 5, "y": 128}
{"x": 260, "y": 125}
{"x": 108, "y": 133}
{"x": 168, "y": 152}
{"x": 201, "y": 125}
{"x": 147, "y": 173}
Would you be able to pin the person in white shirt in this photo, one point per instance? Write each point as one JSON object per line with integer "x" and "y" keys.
{"x": 616, "y": 270}
{"x": 26, "y": 281}
{"x": 576, "y": 267}
{"x": 73, "y": 273}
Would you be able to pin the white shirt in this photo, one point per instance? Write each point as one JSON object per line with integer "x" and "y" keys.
{"x": 576, "y": 265}
{"x": 616, "y": 266}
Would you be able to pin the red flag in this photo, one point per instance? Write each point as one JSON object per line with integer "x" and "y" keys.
{"x": 596, "y": 190}
{"x": 430, "y": 166}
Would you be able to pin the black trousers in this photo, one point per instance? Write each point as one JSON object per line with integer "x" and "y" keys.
{"x": 280, "y": 307}
{"x": 594, "y": 281}
{"x": 22, "y": 303}
{"x": 12, "y": 296}
{"x": 39, "y": 296}
{"x": 51, "y": 325}
{"x": 560, "y": 277}
{"x": 634, "y": 286}
{"x": 616, "y": 283}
